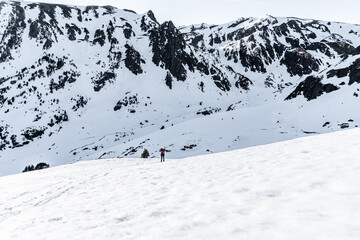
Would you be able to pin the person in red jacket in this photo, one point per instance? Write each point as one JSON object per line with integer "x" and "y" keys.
{"x": 162, "y": 154}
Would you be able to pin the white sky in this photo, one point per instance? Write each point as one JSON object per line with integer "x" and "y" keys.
{"x": 186, "y": 12}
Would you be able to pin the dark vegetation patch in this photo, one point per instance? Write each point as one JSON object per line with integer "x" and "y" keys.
{"x": 38, "y": 166}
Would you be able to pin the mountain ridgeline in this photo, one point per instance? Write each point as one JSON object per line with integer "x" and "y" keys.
{"x": 92, "y": 82}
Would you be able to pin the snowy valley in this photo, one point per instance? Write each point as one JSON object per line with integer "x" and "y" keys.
{"x": 81, "y": 83}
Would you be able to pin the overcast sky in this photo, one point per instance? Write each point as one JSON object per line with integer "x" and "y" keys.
{"x": 186, "y": 12}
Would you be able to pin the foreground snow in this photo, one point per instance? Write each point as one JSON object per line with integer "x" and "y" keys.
{"x": 300, "y": 189}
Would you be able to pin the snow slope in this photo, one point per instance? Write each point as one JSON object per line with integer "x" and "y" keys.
{"x": 299, "y": 189}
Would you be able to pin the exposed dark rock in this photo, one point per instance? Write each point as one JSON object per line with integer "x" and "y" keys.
{"x": 110, "y": 31}
{"x": 80, "y": 102}
{"x": 109, "y": 10}
{"x": 220, "y": 79}
{"x": 128, "y": 32}
{"x": 131, "y": 151}
{"x": 295, "y": 25}
{"x": 168, "y": 80}
{"x": 299, "y": 62}
{"x": 252, "y": 61}
{"x": 131, "y": 11}
{"x": 279, "y": 49}
{"x": 115, "y": 59}
{"x": 326, "y": 124}
{"x": 99, "y": 37}
{"x": 12, "y": 36}
{"x": 307, "y": 132}
{"x": 79, "y": 15}
{"x": 191, "y": 146}
{"x": 3, "y": 137}
{"x": 44, "y": 30}
{"x": 312, "y": 88}
{"x": 31, "y": 133}
{"x": 15, "y": 143}
{"x": 196, "y": 40}
{"x": 241, "y": 33}
{"x": 146, "y": 25}
{"x": 215, "y": 39}
{"x": 67, "y": 77}
{"x": 168, "y": 46}
{"x": 65, "y": 10}
{"x": 203, "y": 67}
{"x": 101, "y": 79}
{"x": 47, "y": 45}
{"x": 238, "y": 22}
{"x": 344, "y": 125}
{"x": 318, "y": 25}
{"x": 34, "y": 30}
{"x": 339, "y": 73}
{"x": 353, "y": 71}
{"x": 208, "y": 111}
{"x": 243, "y": 82}
{"x": 321, "y": 47}
{"x": 72, "y": 31}
{"x": 294, "y": 42}
{"x": 341, "y": 47}
{"x": 151, "y": 15}
{"x": 201, "y": 86}
{"x": 282, "y": 30}
{"x": 133, "y": 60}
{"x": 61, "y": 117}
{"x": 93, "y": 9}
{"x": 127, "y": 101}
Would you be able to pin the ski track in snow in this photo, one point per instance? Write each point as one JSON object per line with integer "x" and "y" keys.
{"x": 300, "y": 189}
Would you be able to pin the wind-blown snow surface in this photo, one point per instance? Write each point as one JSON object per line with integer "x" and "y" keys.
{"x": 300, "y": 189}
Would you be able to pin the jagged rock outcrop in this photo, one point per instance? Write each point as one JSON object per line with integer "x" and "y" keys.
{"x": 168, "y": 46}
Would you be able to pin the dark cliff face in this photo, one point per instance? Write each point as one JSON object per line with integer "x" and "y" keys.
{"x": 299, "y": 62}
{"x": 133, "y": 60}
{"x": 12, "y": 35}
{"x": 168, "y": 46}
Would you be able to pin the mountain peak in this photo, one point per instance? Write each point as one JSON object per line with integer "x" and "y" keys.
{"x": 151, "y": 15}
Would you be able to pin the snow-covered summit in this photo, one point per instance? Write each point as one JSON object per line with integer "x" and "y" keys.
{"x": 94, "y": 82}
{"x": 300, "y": 189}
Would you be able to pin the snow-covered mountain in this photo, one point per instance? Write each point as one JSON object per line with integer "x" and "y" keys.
{"x": 305, "y": 188}
{"x": 97, "y": 82}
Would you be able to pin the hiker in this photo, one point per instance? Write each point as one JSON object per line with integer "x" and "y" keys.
{"x": 162, "y": 154}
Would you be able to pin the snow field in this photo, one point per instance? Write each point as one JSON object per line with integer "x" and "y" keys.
{"x": 300, "y": 189}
